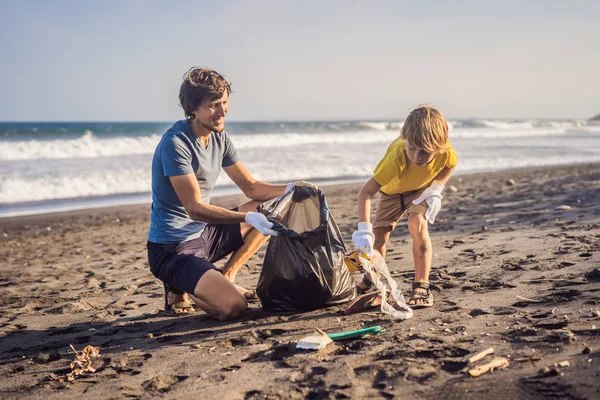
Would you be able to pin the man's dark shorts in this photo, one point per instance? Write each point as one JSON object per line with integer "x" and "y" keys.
{"x": 182, "y": 265}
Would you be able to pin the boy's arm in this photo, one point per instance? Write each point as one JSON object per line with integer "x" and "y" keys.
{"x": 444, "y": 175}
{"x": 363, "y": 238}
{"x": 364, "y": 200}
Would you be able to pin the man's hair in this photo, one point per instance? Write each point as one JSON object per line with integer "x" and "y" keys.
{"x": 426, "y": 128}
{"x": 201, "y": 85}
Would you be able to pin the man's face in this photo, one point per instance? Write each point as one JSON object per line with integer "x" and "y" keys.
{"x": 418, "y": 156}
{"x": 211, "y": 115}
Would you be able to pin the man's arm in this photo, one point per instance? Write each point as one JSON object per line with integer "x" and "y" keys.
{"x": 253, "y": 189}
{"x": 188, "y": 192}
{"x": 364, "y": 200}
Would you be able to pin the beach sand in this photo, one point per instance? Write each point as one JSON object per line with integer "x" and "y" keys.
{"x": 515, "y": 273}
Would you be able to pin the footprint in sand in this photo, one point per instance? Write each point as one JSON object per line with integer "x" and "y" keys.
{"x": 278, "y": 352}
{"x": 122, "y": 305}
{"x": 255, "y": 337}
{"x": 76, "y": 307}
{"x": 231, "y": 368}
{"x": 130, "y": 364}
{"x": 162, "y": 383}
{"x": 259, "y": 395}
{"x": 593, "y": 275}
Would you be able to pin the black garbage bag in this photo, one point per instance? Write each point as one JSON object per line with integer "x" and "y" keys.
{"x": 304, "y": 265}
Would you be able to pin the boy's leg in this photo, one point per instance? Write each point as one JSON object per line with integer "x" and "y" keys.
{"x": 388, "y": 213}
{"x": 253, "y": 240}
{"x": 418, "y": 229}
{"x": 390, "y": 209}
{"x": 381, "y": 237}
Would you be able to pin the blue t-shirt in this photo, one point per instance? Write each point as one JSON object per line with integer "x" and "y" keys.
{"x": 180, "y": 152}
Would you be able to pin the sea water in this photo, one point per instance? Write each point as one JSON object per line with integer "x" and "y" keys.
{"x": 59, "y": 166}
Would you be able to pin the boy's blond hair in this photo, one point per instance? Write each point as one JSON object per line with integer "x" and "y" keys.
{"x": 427, "y": 129}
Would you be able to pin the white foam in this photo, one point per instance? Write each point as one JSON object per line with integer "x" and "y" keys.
{"x": 508, "y": 125}
{"x": 91, "y": 166}
{"x": 498, "y": 133}
{"x": 90, "y": 146}
{"x": 86, "y": 146}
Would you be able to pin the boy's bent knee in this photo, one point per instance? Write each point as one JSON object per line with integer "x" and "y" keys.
{"x": 377, "y": 244}
{"x": 417, "y": 224}
{"x": 382, "y": 235}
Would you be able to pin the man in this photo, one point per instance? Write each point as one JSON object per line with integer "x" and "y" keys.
{"x": 187, "y": 233}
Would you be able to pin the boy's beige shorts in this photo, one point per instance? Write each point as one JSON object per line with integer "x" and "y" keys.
{"x": 393, "y": 207}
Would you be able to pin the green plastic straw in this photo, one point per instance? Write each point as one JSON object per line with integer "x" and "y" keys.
{"x": 352, "y": 334}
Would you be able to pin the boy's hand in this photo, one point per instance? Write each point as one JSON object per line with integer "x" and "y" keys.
{"x": 433, "y": 196}
{"x": 363, "y": 238}
{"x": 261, "y": 223}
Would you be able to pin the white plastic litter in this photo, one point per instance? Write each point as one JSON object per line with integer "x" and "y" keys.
{"x": 318, "y": 340}
{"x": 397, "y": 308}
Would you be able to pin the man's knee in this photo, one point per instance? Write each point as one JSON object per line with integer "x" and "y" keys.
{"x": 233, "y": 308}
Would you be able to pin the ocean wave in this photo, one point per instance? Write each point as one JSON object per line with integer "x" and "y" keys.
{"x": 307, "y": 157}
{"x": 63, "y": 179}
{"x": 96, "y": 180}
{"x": 89, "y": 145}
{"x": 381, "y": 126}
{"x": 86, "y": 146}
{"x": 491, "y": 134}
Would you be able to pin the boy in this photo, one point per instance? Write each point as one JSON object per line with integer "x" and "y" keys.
{"x": 410, "y": 178}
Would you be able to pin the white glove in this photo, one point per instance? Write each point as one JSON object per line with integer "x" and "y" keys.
{"x": 261, "y": 223}
{"x": 363, "y": 238}
{"x": 433, "y": 196}
{"x": 290, "y": 186}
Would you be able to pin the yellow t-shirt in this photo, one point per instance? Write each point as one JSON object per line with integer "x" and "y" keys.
{"x": 397, "y": 174}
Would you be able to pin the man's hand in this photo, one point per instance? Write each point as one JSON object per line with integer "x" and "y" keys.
{"x": 290, "y": 186}
{"x": 363, "y": 238}
{"x": 433, "y": 196}
{"x": 261, "y": 223}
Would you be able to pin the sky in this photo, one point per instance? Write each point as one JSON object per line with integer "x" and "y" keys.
{"x": 123, "y": 60}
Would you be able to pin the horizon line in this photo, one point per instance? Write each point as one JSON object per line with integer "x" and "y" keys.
{"x": 290, "y": 120}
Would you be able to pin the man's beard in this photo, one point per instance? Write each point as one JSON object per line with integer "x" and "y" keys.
{"x": 213, "y": 128}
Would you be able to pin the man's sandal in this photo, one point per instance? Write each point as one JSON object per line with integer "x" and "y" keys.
{"x": 175, "y": 309}
{"x": 424, "y": 294}
{"x": 250, "y": 296}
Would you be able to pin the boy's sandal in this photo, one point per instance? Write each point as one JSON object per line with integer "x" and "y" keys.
{"x": 364, "y": 302}
{"x": 364, "y": 286}
{"x": 179, "y": 308}
{"x": 424, "y": 295}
